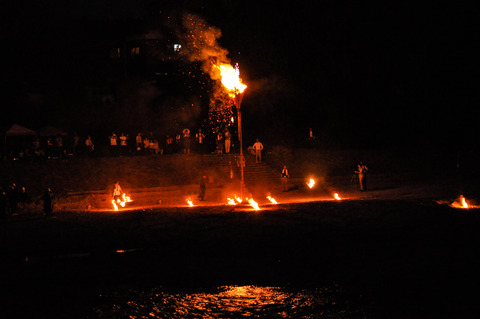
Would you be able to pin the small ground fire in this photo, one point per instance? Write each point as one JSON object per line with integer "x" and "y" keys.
{"x": 272, "y": 200}
{"x": 311, "y": 183}
{"x": 121, "y": 202}
{"x": 253, "y": 203}
{"x": 462, "y": 203}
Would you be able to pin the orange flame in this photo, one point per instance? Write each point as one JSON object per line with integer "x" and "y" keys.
{"x": 311, "y": 183}
{"x": 230, "y": 77}
{"x": 464, "y": 202}
{"x": 115, "y": 207}
{"x": 272, "y": 200}
{"x": 460, "y": 203}
{"x": 235, "y": 200}
{"x": 253, "y": 203}
{"x": 122, "y": 202}
{"x": 189, "y": 201}
{"x": 238, "y": 199}
{"x": 336, "y": 196}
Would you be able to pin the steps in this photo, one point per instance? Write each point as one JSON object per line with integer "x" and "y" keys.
{"x": 254, "y": 173}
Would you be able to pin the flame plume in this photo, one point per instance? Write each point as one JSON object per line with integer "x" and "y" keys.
{"x": 272, "y": 200}
{"x": 230, "y": 78}
{"x": 253, "y": 203}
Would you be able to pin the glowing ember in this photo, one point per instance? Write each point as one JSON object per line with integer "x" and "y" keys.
{"x": 253, "y": 204}
{"x": 231, "y": 79}
{"x": 189, "y": 201}
{"x": 272, "y": 200}
{"x": 311, "y": 183}
{"x": 336, "y": 196}
{"x": 231, "y": 201}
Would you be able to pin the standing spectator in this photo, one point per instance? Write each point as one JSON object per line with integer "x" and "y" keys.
{"x": 146, "y": 145}
{"x": 117, "y": 192}
{"x": 200, "y": 141}
{"x": 311, "y": 138}
{"x": 169, "y": 144}
{"x": 13, "y": 198}
{"x": 258, "y": 147}
{"x": 123, "y": 144}
{"x": 186, "y": 141}
{"x": 59, "y": 146}
{"x": 138, "y": 142}
{"x": 285, "y": 177}
{"x": 362, "y": 176}
{"x": 37, "y": 148}
{"x": 156, "y": 148}
{"x": 3, "y": 204}
{"x": 76, "y": 139}
{"x": 48, "y": 202}
{"x": 219, "y": 143}
{"x": 113, "y": 144}
{"x": 228, "y": 143}
{"x": 89, "y": 145}
{"x": 203, "y": 188}
{"x": 178, "y": 140}
{"x": 50, "y": 148}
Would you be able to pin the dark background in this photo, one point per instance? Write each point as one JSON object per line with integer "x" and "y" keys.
{"x": 369, "y": 75}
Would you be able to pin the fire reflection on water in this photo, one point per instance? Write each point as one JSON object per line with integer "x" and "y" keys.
{"x": 228, "y": 302}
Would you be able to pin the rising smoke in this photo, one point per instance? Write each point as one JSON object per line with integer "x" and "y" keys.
{"x": 200, "y": 45}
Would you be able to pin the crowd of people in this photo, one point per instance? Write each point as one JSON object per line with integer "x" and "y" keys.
{"x": 122, "y": 144}
{"x": 183, "y": 142}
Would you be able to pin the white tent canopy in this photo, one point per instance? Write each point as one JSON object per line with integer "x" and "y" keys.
{"x": 18, "y": 130}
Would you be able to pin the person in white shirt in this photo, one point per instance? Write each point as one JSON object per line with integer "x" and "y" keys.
{"x": 258, "y": 147}
{"x": 117, "y": 192}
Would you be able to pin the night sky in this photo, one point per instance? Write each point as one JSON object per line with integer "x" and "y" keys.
{"x": 374, "y": 74}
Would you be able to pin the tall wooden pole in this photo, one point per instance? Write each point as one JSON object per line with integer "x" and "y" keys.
{"x": 238, "y": 103}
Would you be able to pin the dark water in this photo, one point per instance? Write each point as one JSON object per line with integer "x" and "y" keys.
{"x": 228, "y": 302}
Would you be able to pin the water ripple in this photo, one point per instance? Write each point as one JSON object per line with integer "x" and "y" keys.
{"x": 228, "y": 302}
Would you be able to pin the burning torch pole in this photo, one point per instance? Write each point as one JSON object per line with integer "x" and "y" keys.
{"x": 237, "y": 100}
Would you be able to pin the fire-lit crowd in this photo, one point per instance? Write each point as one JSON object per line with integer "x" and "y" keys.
{"x": 122, "y": 144}
{"x": 183, "y": 142}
